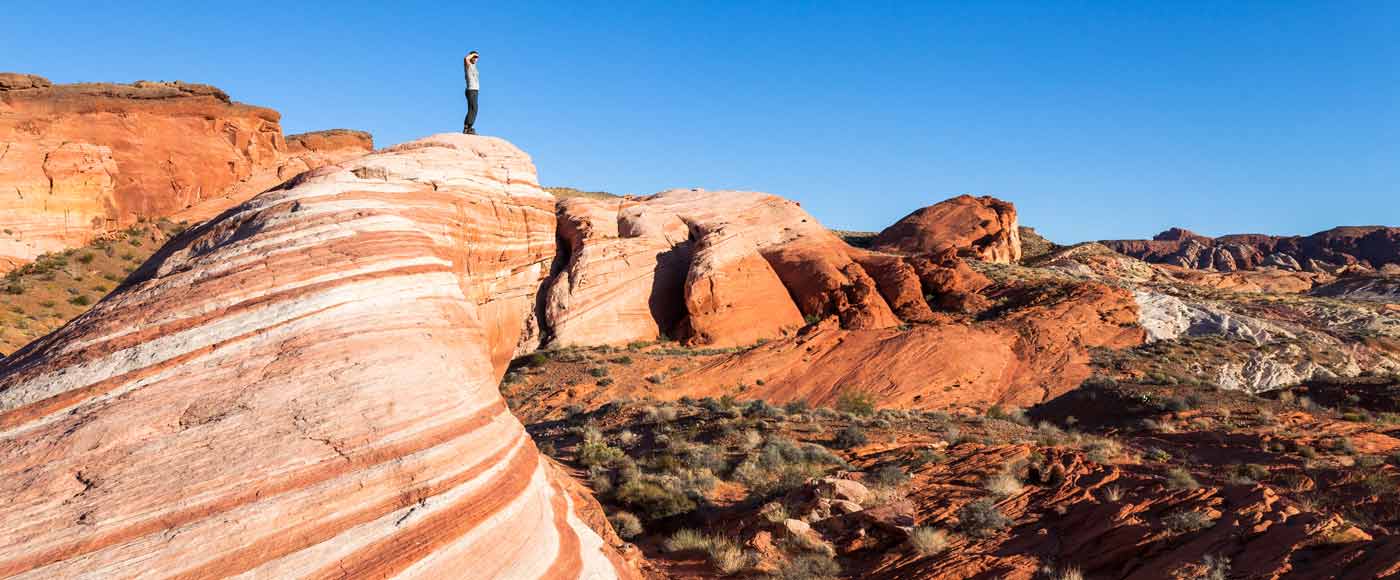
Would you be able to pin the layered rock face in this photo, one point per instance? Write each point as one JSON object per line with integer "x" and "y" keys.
{"x": 305, "y": 387}
{"x": 980, "y": 227}
{"x": 1331, "y": 251}
{"x": 77, "y": 160}
{"x": 639, "y": 268}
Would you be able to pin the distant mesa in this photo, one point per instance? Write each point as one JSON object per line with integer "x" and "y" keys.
{"x": 78, "y": 160}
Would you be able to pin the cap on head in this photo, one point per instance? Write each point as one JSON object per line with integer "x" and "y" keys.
{"x": 473, "y": 53}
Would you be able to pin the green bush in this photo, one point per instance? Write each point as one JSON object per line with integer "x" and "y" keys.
{"x": 596, "y": 452}
{"x": 653, "y": 499}
{"x": 928, "y": 541}
{"x": 982, "y": 519}
{"x": 687, "y": 540}
{"x": 80, "y": 300}
{"x": 1187, "y": 521}
{"x": 1178, "y": 478}
{"x": 851, "y": 436}
{"x": 856, "y": 403}
{"x": 626, "y": 524}
{"x": 809, "y": 567}
{"x": 890, "y": 475}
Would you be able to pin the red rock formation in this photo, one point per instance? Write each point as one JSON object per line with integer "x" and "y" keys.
{"x": 629, "y": 259}
{"x": 953, "y": 284}
{"x": 979, "y": 227}
{"x": 305, "y": 387}
{"x": 77, "y": 160}
{"x": 1330, "y": 251}
{"x": 732, "y": 296}
{"x": 1035, "y": 350}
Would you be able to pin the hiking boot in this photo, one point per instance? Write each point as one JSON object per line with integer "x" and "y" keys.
{"x": 469, "y": 131}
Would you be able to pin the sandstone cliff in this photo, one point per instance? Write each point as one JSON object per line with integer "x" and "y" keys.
{"x": 305, "y": 387}
{"x": 77, "y": 160}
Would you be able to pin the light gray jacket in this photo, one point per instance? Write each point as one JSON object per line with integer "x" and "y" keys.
{"x": 473, "y": 83}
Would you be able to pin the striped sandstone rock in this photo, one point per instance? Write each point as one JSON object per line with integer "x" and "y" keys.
{"x": 305, "y": 387}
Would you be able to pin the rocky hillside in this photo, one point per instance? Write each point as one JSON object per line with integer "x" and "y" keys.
{"x": 1369, "y": 248}
{"x": 80, "y": 160}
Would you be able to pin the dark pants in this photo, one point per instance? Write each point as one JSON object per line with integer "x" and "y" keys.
{"x": 470, "y": 122}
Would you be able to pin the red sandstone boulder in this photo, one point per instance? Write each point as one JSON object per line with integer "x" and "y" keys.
{"x": 732, "y": 296}
{"x": 979, "y": 227}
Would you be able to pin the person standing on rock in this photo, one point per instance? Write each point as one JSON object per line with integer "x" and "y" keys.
{"x": 473, "y": 85}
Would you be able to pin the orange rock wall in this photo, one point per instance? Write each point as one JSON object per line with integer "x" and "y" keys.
{"x": 76, "y": 160}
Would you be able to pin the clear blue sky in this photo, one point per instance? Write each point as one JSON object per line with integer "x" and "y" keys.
{"x": 1099, "y": 120}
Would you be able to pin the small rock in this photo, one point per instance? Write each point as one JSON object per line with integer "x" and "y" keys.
{"x": 842, "y": 506}
{"x": 845, "y": 489}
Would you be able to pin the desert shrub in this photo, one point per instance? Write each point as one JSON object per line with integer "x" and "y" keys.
{"x": 890, "y": 475}
{"x": 653, "y": 497}
{"x": 713, "y": 405}
{"x": 656, "y": 379}
{"x": 727, "y": 558}
{"x": 594, "y": 451}
{"x": 661, "y": 414}
{"x": 80, "y": 300}
{"x": 1102, "y": 450}
{"x": 774, "y": 512}
{"x": 687, "y": 540}
{"x": 928, "y": 541}
{"x": 781, "y": 465}
{"x": 627, "y": 525}
{"x": 982, "y": 519}
{"x": 1013, "y": 414}
{"x": 809, "y": 567}
{"x": 1002, "y": 485}
{"x": 1187, "y": 521}
{"x": 1113, "y": 493}
{"x": 534, "y": 359}
{"x": 796, "y": 406}
{"x": 598, "y": 372}
{"x": 1178, "y": 478}
{"x": 14, "y": 288}
{"x": 85, "y": 258}
{"x": 622, "y": 360}
{"x": 851, "y": 436}
{"x": 1175, "y": 404}
{"x": 1248, "y": 473}
{"x": 926, "y": 456}
{"x": 856, "y": 403}
{"x": 761, "y": 408}
{"x": 600, "y": 479}
{"x": 1216, "y": 567}
{"x": 1344, "y": 446}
